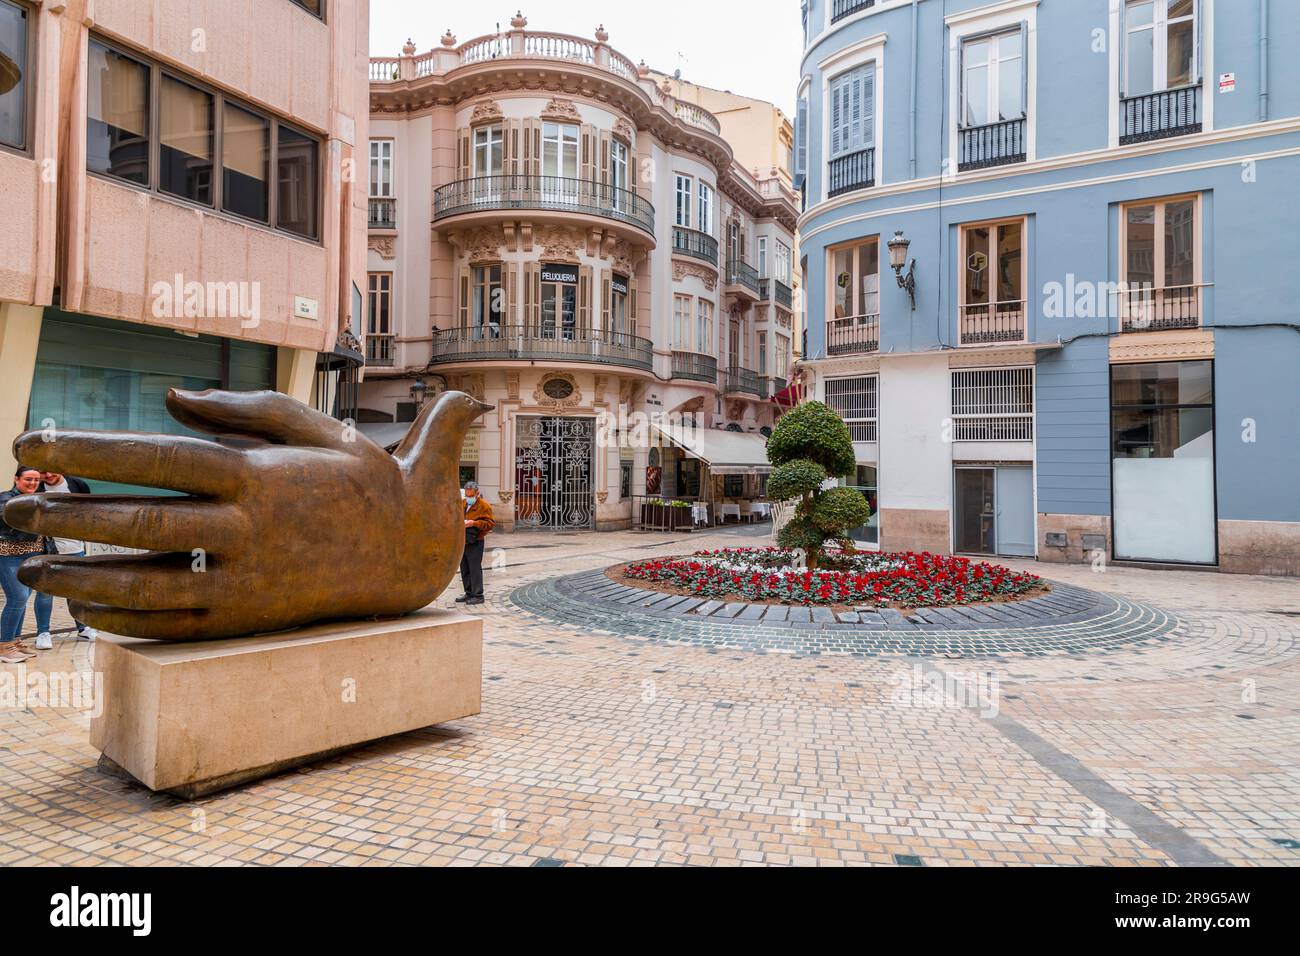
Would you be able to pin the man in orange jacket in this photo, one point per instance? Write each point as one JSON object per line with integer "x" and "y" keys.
{"x": 478, "y": 522}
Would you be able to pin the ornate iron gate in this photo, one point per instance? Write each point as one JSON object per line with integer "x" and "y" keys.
{"x": 553, "y": 472}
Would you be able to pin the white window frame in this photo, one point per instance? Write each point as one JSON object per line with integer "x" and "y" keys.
{"x": 619, "y": 164}
{"x": 682, "y": 323}
{"x": 381, "y": 160}
{"x": 705, "y": 208}
{"x": 869, "y": 50}
{"x": 762, "y": 257}
{"x": 704, "y": 326}
{"x": 993, "y": 77}
{"x": 1203, "y": 61}
{"x": 863, "y": 78}
{"x": 782, "y": 354}
{"x": 682, "y": 208}
{"x": 781, "y": 262}
{"x": 484, "y": 138}
{"x": 565, "y": 140}
{"x": 870, "y": 419}
{"x": 1160, "y": 44}
{"x": 982, "y": 21}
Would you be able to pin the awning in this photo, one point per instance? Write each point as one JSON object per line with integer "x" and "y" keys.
{"x": 387, "y": 435}
{"x": 727, "y": 453}
{"x": 788, "y": 397}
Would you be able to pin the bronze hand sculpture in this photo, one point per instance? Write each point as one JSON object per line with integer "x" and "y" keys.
{"x": 316, "y": 522}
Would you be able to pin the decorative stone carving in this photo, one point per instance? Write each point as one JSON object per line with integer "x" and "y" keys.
{"x": 472, "y": 384}
{"x": 682, "y": 270}
{"x": 505, "y": 496}
{"x": 482, "y": 244}
{"x": 978, "y": 358}
{"x": 601, "y": 496}
{"x": 561, "y": 109}
{"x": 736, "y": 410}
{"x": 625, "y": 129}
{"x": 512, "y": 386}
{"x": 487, "y": 111}
{"x": 561, "y": 244}
{"x": 408, "y": 48}
{"x": 550, "y": 396}
{"x": 448, "y": 39}
{"x": 384, "y": 245}
{"x": 598, "y": 390}
{"x": 1154, "y": 346}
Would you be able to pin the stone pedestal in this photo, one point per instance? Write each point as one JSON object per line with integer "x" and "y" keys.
{"x": 198, "y": 717}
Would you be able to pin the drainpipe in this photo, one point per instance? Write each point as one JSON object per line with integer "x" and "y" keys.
{"x": 1263, "y": 60}
{"x": 911, "y": 150}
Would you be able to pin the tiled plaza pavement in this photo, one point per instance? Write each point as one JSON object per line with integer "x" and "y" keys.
{"x": 602, "y": 748}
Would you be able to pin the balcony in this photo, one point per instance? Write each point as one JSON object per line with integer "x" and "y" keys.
{"x": 512, "y": 193}
{"x": 770, "y": 385}
{"x": 383, "y": 212}
{"x": 1150, "y": 309}
{"x": 995, "y": 144}
{"x": 1160, "y": 115}
{"x": 850, "y": 172}
{"x": 380, "y": 348}
{"x": 742, "y": 381}
{"x": 990, "y": 323}
{"x": 843, "y": 8}
{"x": 742, "y": 279}
{"x": 695, "y": 367}
{"x": 692, "y": 242}
{"x": 853, "y": 334}
{"x": 775, "y": 288}
{"x": 517, "y": 343}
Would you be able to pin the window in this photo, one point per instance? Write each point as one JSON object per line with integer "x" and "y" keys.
{"x": 486, "y": 310}
{"x": 682, "y": 322}
{"x": 865, "y": 481}
{"x": 560, "y": 150}
{"x": 856, "y": 279}
{"x": 618, "y": 163}
{"x": 13, "y": 82}
{"x": 993, "y": 404}
{"x": 618, "y": 305}
{"x": 782, "y": 272}
{"x": 1160, "y": 45}
{"x": 854, "y": 400}
{"x": 488, "y": 155}
{"x": 852, "y": 123}
{"x": 117, "y": 115}
{"x": 1160, "y": 288}
{"x": 993, "y": 78}
{"x": 246, "y": 164}
{"x": 992, "y": 305}
{"x": 762, "y": 354}
{"x": 782, "y": 356}
{"x": 312, "y": 6}
{"x": 1162, "y": 450}
{"x": 762, "y": 257}
{"x": 704, "y": 326}
{"x": 121, "y": 109}
{"x": 379, "y": 324}
{"x": 381, "y": 168}
{"x": 684, "y": 184}
{"x": 706, "y": 209}
{"x": 801, "y": 142}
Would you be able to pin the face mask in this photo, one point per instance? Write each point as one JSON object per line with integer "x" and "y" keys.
{"x": 469, "y": 499}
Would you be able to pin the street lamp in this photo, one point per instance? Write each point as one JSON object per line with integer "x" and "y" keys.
{"x": 897, "y": 257}
{"x": 418, "y": 389}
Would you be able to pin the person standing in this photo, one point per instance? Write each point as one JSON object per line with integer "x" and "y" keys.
{"x": 54, "y": 483}
{"x": 478, "y": 522}
{"x": 17, "y": 546}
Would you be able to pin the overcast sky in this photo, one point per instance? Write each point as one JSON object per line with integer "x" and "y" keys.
{"x": 749, "y": 48}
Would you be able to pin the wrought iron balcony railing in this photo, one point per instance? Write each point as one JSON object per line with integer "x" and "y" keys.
{"x": 843, "y": 8}
{"x": 769, "y": 289}
{"x": 556, "y": 193}
{"x": 983, "y": 323}
{"x": 852, "y": 334}
{"x": 508, "y": 343}
{"x": 383, "y": 212}
{"x": 743, "y": 380}
{"x": 695, "y": 367}
{"x": 1151, "y": 309}
{"x": 853, "y": 171}
{"x": 1159, "y": 115}
{"x": 995, "y": 144}
{"x": 741, "y": 273}
{"x": 380, "y": 348}
{"x": 770, "y": 385}
{"x": 692, "y": 242}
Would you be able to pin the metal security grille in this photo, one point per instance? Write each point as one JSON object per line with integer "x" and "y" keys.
{"x": 553, "y": 473}
{"x": 993, "y": 404}
{"x": 854, "y": 400}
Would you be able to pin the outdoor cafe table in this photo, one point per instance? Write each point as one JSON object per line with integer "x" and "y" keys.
{"x": 729, "y": 509}
{"x": 700, "y": 512}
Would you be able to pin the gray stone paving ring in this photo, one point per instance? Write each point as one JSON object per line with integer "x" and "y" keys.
{"x": 1065, "y": 620}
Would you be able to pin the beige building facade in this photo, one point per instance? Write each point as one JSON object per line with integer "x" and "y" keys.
{"x": 180, "y": 203}
{"x": 591, "y": 260}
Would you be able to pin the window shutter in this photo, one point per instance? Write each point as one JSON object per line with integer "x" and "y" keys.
{"x": 587, "y": 171}
{"x": 868, "y": 86}
{"x": 532, "y": 297}
{"x": 1123, "y": 51}
{"x": 584, "y": 297}
{"x": 464, "y": 298}
{"x": 837, "y": 87}
{"x": 604, "y": 157}
{"x": 511, "y": 277}
{"x": 632, "y": 307}
{"x": 1196, "y": 41}
{"x": 464, "y": 167}
{"x": 510, "y": 148}
{"x": 532, "y": 156}
{"x": 801, "y": 140}
{"x": 1024, "y": 68}
{"x": 605, "y": 305}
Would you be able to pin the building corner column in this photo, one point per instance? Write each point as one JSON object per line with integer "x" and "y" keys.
{"x": 20, "y": 334}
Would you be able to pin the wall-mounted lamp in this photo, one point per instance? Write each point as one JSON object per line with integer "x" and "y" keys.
{"x": 418, "y": 390}
{"x": 897, "y": 258}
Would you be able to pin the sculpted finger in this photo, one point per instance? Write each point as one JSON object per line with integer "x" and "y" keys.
{"x": 179, "y": 625}
{"x": 142, "y": 582}
{"x": 179, "y": 462}
{"x": 131, "y": 521}
{"x": 273, "y": 416}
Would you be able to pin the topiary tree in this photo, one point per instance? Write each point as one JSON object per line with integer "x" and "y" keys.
{"x": 809, "y": 445}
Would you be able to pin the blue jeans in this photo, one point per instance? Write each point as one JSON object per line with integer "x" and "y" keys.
{"x": 16, "y": 595}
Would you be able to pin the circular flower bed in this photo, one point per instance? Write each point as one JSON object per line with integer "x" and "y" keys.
{"x": 871, "y": 579}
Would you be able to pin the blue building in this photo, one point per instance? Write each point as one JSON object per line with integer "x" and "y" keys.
{"x": 1049, "y": 254}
